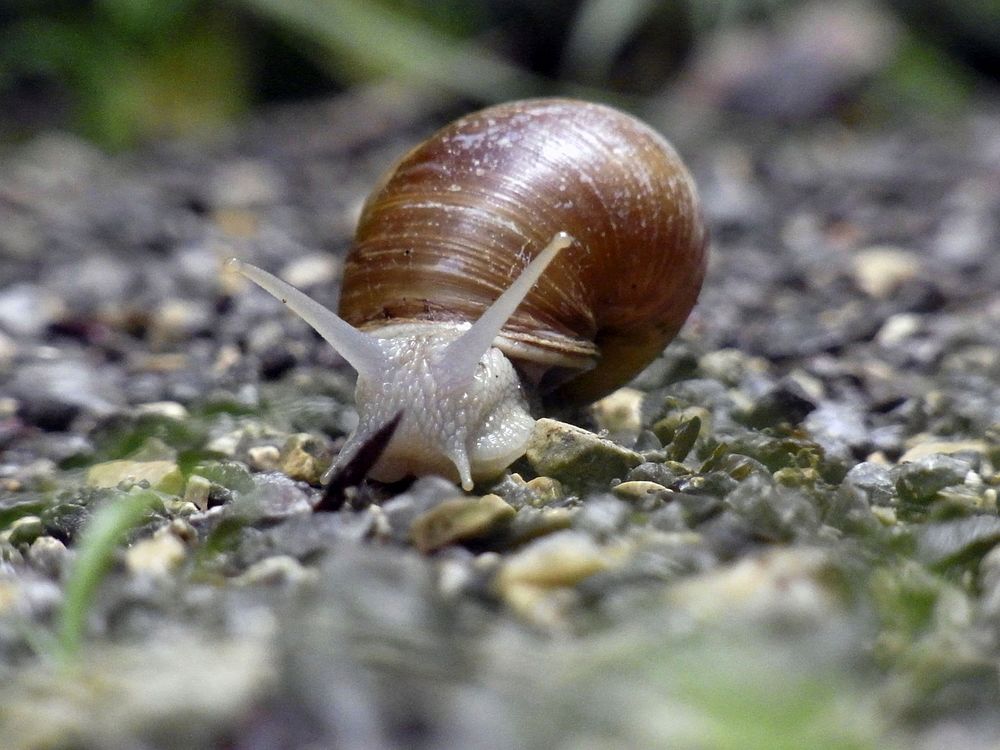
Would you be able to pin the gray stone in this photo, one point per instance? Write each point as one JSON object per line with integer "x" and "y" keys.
{"x": 156, "y": 557}
{"x": 49, "y": 556}
{"x": 642, "y": 495}
{"x": 459, "y": 519}
{"x": 52, "y": 393}
{"x": 957, "y": 540}
{"x": 275, "y": 495}
{"x": 602, "y": 515}
{"x": 576, "y": 457}
{"x": 874, "y": 481}
{"x": 424, "y": 494}
{"x": 921, "y": 480}
{"x": 27, "y": 309}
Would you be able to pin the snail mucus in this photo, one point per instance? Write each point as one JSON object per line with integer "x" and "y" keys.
{"x": 545, "y": 249}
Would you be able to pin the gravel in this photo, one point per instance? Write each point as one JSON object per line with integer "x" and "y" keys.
{"x": 783, "y": 534}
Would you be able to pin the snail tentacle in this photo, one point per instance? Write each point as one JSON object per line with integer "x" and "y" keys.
{"x": 361, "y": 350}
{"x": 461, "y": 356}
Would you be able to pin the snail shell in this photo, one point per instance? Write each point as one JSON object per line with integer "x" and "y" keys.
{"x": 462, "y": 213}
{"x": 549, "y": 245}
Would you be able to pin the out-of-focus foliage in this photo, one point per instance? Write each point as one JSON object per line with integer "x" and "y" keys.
{"x": 122, "y": 70}
{"x": 355, "y": 41}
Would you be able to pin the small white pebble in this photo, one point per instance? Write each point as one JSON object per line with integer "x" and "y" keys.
{"x": 264, "y": 457}
{"x": 169, "y": 409}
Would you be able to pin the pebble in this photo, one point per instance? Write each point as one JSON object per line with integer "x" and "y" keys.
{"x": 401, "y": 511}
{"x": 64, "y": 520}
{"x": 179, "y": 684}
{"x": 786, "y": 403}
{"x": 921, "y": 480}
{"x": 969, "y": 498}
{"x": 957, "y": 540}
{"x": 885, "y": 515}
{"x": 532, "y": 523}
{"x": 898, "y": 328}
{"x": 839, "y": 427}
{"x": 163, "y": 476}
{"x": 179, "y": 508}
{"x": 100, "y": 284}
{"x": 166, "y": 409}
{"x": 28, "y": 309}
{"x": 927, "y": 448}
{"x": 245, "y": 183}
{"x": 197, "y": 491}
{"x": 620, "y": 414}
{"x": 24, "y": 530}
{"x": 602, "y": 516}
{"x": 989, "y": 580}
{"x": 279, "y": 570}
{"x": 305, "y": 457}
{"x": 644, "y": 495}
{"x": 153, "y": 449}
{"x": 537, "y": 492}
{"x": 454, "y": 577}
{"x": 27, "y": 595}
{"x": 730, "y": 366}
{"x": 8, "y": 351}
{"x": 48, "y": 555}
{"x": 880, "y": 271}
{"x": 52, "y": 393}
{"x": 264, "y": 457}
{"x": 774, "y": 512}
{"x": 779, "y": 584}
{"x": 459, "y": 519}
{"x": 275, "y": 495}
{"x": 561, "y": 559}
{"x": 874, "y": 481}
{"x": 175, "y": 321}
{"x": 544, "y": 491}
{"x": 156, "y": 557}
{"x": 537, "y": 581}
{"x": 576, "y": 457}
{"x": 311, "y": 270}
{"x": 308, "y": 535}
{"x": 972, "y": 358}
{"x": 678, "y": 431}
{"x": 232, "y": 475}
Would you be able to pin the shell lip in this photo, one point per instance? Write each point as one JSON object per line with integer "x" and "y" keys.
{"x": 552, "y": 350}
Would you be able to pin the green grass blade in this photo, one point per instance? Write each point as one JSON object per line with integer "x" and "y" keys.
{"x": 99, "y": 539}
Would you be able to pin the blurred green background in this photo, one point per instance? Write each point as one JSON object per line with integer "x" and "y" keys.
{"x": 124, "y": 71}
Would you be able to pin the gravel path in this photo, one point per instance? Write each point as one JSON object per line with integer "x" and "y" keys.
{"x": 784, "y": 534}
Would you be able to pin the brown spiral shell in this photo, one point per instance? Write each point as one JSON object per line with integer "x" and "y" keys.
{"x": 459, "y": 216}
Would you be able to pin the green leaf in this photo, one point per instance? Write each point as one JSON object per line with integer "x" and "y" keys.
{"x": 102, "y": 535}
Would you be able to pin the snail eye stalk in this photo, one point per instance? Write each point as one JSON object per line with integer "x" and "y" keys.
{"x": 461, "y": 356}
{"x": 361, "y": 351}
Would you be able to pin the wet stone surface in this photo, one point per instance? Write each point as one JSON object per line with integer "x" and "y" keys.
{"x": 790, "y": 515}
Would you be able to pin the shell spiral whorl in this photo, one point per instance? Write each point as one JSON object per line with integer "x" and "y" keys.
{"x": 464, "y": 211}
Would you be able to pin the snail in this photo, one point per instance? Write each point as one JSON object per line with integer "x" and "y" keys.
{"x": 540, "y": 249}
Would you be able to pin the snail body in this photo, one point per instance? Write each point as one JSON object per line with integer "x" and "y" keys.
{"x": 548, "y": 247}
